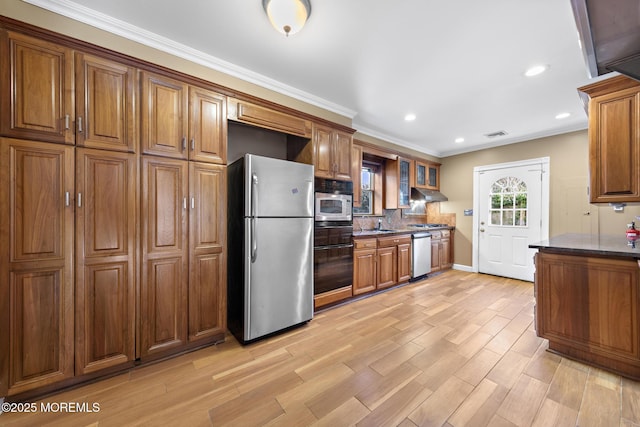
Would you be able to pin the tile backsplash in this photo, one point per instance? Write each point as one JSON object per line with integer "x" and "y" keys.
{"x": 400, "y": 218}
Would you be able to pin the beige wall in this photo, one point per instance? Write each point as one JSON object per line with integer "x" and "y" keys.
{"x": 568, "y": 199}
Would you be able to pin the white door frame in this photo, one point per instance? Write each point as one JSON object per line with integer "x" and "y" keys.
{"x": 544, "y": 214}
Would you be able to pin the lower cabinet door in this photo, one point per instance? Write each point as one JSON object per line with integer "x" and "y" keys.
{"x": 404, "y": 262}
{"x": 364, "y": 270}
{"x": 36, "y": 259}
{"x": 207, "y": 252}
{"x": 163, "y": 290}
{"x": 105, "y": 256}
{"x": 387, "y": 266}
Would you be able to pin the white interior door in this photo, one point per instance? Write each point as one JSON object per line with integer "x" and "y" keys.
{"x": 510, "y": 217}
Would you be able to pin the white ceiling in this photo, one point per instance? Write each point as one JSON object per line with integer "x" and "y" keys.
{"x": 458, "y": 65}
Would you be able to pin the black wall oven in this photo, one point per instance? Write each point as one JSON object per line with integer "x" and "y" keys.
{"x": 333, "y": 237}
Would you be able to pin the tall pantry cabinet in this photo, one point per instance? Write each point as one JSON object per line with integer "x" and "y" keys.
{"x": 183, "y": 284}
{"x": 109, "y": 256}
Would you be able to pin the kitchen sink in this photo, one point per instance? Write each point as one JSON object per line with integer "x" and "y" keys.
{"x": 379, "y": 231}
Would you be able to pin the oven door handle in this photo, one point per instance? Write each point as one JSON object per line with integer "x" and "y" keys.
{"x": 348, "y": 245}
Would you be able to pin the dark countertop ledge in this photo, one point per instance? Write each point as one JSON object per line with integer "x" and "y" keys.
{"x": 591, "y": 244}
{"x": 373, "y": 233}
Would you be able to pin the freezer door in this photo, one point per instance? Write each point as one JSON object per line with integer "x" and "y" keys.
{"x": 278, "y": 275}
{"x": 277, "y": 188}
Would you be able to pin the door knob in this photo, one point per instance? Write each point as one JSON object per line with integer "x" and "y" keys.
{"x": 482, "y": 230}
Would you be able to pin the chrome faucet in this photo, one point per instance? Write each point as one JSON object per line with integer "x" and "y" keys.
{"x": 380, "y": 224}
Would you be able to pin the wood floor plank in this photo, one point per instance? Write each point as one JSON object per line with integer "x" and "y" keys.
{"x": 554, "y": 414}
{"x": 631, "y": 401}
{"x": 523, "y": 401}
{"x": 442, "y": 403}
{"x": 478, "y": 366}
{"x": 600, "y": 406}
{"x": 480, "y": 406}
{"x": 567, "y": 386}
{"x": 394, "y": 410}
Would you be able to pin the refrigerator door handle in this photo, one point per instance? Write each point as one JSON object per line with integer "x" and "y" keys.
{"x": 254, "y": 194}
{"x": 254, "y": 241}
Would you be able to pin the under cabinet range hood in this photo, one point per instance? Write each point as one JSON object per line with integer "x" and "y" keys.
{"x": 427, "y": 195}
{"x": 610, "y": 35}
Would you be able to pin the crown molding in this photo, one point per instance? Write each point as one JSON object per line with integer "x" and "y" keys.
{"x": 120, "y": 28}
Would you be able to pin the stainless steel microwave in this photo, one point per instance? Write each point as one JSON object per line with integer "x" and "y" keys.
{"x": 334, "y": 207}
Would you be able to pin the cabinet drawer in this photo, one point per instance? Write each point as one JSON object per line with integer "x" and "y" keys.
{"x": 436, "y": 235}
{"x": 384, "y": 242}
{"x": 445, "y": 234}
{"x": 364, "y": 244}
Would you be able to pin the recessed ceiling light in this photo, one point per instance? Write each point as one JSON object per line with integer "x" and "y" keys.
{"x": 563, "y": 116}
{"x": 535, "y": 70}
{"x": 410, "y": 117}
{"x": 459, "y": 140}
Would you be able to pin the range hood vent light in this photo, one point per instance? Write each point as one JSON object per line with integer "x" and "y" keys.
{"x": 427, "y": 195}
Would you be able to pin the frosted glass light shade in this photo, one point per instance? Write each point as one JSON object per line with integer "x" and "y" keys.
{"x": 287, "y": 16}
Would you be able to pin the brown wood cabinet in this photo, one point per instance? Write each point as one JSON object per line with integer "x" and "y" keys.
{"x": 397, "y": 267}
{"x": 183, "y": 289}
{"x": 165, "y": 279}
{"x": 37, "y": 85}
{"x": 106, "y": 230}
{"x": 207, "y": 254}
{"x": 182, "y": 121}
{"x": 398, "y": 178}
{"x": 614, "y": 140}
{"x": 427, "y": 175}
{"x": 387, "y": 266}
{"x": 441, "y": 250}
{"x": 356, "y": 173}
{"x": 381, "y": 262}
{"x": 404, "y": 261}
{"x": 256, "y": 115}
{"x": 207, "y": 126}
{"x": 587, "y": 307}
{"x": 332, "y": 153}
{"x": 36, "y": 265}
{"x": 106, "y": 114}
{"x": 364, "y": 265}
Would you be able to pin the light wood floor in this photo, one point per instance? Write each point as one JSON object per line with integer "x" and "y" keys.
{"x": 458, "y": 349}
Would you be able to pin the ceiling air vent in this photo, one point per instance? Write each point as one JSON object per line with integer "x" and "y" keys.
{"x": 495, "y": 134}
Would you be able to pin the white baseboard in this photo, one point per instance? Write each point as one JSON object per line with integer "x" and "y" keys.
{"x": 461, "y": 267}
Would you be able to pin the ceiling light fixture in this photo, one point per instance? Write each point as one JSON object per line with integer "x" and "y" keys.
{"x": 410, "y": 117}
{"x": 563, "y": 116}
{"x": 536, "y": 70}
{"x": 459, "y": 140}
{"x": 287, "y": 16}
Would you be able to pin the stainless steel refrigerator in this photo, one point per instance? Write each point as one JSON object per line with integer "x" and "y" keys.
{"x": 270, "y": 246}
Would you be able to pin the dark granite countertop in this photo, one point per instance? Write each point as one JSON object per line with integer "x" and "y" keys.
{"x": 591, "y": 244}
{"x": 375, "y": 233}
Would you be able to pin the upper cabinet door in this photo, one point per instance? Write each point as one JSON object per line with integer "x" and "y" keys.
{"x": 207, "y": 126}
{"x": 105, "y": 96}
{"x": 332, "y": 153}
{"x": 37, "y": 86}
{"x": 323, "y": 151}
{"x": 164, "y": 108}
{"x": 342, "y": 155}
{"x": 614, "y": 140}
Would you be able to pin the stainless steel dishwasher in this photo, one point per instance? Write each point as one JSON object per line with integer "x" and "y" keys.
{"x": 420, "y": 254}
